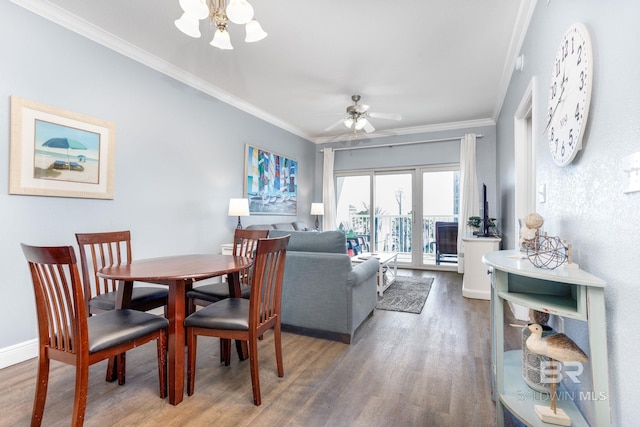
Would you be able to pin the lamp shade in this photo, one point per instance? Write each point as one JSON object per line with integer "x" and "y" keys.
{"x": 239, "y": 207}
{"x": 317, "y": 208}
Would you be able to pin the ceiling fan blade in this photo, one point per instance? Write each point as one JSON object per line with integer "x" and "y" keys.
{"x": 368, "y": 127}
{"x": 390, "y": 116}
{"x": 334, "y": 125}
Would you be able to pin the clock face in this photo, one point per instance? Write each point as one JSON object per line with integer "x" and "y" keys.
{"x": 569, "y": 95}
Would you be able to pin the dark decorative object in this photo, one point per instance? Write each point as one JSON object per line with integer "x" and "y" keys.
{"x": 549, "y": 252}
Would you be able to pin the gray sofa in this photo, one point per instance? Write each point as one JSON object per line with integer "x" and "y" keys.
{"x": 289, "y": 226}
{"x": 322, "y": 293}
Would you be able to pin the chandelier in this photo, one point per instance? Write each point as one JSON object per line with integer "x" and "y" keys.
{"x": 219, "y": 14}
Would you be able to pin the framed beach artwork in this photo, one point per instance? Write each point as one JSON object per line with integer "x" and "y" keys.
{"x": 60, "y": 153}
{"x": 270, "y": 182}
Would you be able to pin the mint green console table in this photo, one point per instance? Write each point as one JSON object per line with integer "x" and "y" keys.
{"x": 571, "y": 293}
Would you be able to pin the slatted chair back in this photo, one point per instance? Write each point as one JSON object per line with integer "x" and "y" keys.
{"x": 266, "y": 284}
{"x": 245, "y": 245}
{"x": 99, "y": 250}
{"x": 60, "y": 306}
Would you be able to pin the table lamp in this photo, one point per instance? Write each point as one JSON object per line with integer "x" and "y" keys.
{"x": 317, "y": 209}
{"x": 239, "y": 207}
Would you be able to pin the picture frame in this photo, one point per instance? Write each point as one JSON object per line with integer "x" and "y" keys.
{"x": 270, "y": 182}
{"x": 60, "y": 153}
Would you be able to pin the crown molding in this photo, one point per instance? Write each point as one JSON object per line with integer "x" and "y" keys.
{"x": 92, "y": 32}
{"x": 86, "y": 29}
{"x": 523, "y": 19}
{"x": 413, "y": 130}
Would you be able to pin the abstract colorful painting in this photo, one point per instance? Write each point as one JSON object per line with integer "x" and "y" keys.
{"x": 270, "y": 182}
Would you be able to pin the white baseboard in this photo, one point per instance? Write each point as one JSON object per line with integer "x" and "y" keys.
{"x": 18, "y": 353}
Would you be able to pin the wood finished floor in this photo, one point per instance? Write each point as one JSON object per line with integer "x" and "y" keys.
{"x": 431, "y": 369}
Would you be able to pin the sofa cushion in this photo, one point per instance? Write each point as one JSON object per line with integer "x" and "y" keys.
{"x": 300, "y": 226}
{"x": 260, "y": 227}
{"x": 284, "y": 226}
{"x": 304, "y": 241}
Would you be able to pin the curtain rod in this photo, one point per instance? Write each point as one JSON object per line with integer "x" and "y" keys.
{"x": 396, "y": 144}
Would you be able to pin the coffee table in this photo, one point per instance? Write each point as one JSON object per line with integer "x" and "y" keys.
{"x": 388, "y": 270}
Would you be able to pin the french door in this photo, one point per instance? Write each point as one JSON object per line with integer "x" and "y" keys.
{"x": 396, "y": 210}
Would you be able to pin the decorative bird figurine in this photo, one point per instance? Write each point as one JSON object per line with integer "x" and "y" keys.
{"x": 555, "y": 347}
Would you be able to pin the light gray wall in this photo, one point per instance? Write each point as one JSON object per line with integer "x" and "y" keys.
{"x": 432, "y": 153}
{"x": 179, "y": 157}
{"x": 585, "y": 200}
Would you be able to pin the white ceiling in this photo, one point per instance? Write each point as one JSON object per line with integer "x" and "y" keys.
{"x": 441, "y": 64}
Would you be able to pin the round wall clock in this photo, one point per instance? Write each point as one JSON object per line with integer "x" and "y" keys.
{"x": 569, "y": 94}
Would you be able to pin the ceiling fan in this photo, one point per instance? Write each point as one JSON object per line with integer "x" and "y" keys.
{"x": 357, "y": 116}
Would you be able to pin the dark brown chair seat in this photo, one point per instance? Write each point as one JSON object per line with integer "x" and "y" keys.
{"x": 141, "y": 296}
{"x": 119, "y": 327}
{"x": 215, "y": 292}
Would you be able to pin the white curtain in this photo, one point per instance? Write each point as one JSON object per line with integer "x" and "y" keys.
{"x": 328, "y": 192}
{"x": 469, "y": 193}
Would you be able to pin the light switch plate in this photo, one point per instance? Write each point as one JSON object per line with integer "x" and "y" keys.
{"x": 542, "y": 193}
{"x": 631, "y": 169}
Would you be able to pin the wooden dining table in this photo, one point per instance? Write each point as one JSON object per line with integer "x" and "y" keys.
{"x": 178, "y": 273}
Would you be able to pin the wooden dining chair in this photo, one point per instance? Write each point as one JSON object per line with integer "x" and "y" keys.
{"x": 242, "y": 319}
{"x": 67, "y": 335}
{"x": 109, "y": 249}
{"x": 245, "y": 242}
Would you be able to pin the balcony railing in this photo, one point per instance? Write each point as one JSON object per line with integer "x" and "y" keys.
{"x": 394, "y": 231}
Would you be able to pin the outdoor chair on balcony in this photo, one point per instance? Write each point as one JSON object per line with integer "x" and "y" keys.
{"x": 446, "y": 242}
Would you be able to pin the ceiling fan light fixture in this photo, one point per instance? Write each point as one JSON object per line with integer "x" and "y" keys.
{"x": 254, "y": 32}
{"x": 348, "y": 122}
{"x": 188, "y": 25}
{"x": 240, "y": 12}
{"x": 221, "y": 39}
{"x": 360, "y": 123}
{"x": 197, "y": 9}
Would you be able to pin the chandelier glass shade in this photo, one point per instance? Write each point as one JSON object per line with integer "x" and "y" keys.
{"x": 219, "y": 14}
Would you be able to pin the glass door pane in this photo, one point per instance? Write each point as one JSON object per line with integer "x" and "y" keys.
{"x": 440, "y": 203}
{"x": 393, "y": 214}
{"x": 353, "y": 199}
